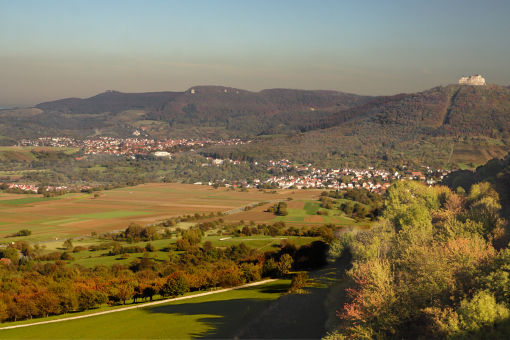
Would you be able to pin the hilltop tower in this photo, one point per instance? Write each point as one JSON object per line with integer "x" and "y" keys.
{"x": 476, "y": 80}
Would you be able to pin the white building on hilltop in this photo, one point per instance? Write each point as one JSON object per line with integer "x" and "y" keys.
{"x": 472, "y": 80}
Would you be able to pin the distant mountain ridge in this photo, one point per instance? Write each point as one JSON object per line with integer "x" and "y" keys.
{"x": 239, "y": 111}
{"x": 457, "y": 123}
{"x": 109, "y": 101}
{"x": 272, "y": 99}
{"x": 451, "y": 109}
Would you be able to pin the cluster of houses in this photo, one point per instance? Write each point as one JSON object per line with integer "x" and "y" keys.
{"x": 289, "y": 175}
{"x": 32, "y": 188}
{"x": 126, "y": 146}
{"x": 23, "y": 187}
{"x": 219, "y": 161}
{"x": 376, "y": 180}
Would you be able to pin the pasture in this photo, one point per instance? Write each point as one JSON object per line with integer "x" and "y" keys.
{"x": 79, "y": 214}
{"x": 219, "y": 315}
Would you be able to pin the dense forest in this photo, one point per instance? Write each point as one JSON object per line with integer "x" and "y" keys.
{"x": 437, "y": 265}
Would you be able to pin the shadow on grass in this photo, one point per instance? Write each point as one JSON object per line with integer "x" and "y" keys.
{"x": 298, "y": 316}
{"x": 224, "y": 317}
{"x": 274, "y": 289}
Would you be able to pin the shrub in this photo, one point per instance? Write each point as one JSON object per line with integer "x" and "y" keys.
{"x": 23, "y": 232}
{"x": 299, "y": 280}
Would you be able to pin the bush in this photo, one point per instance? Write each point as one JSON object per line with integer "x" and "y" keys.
{"x": 182, "y": 244}
{"x": 150, "y": 247}
{"x": 23, "y": 232}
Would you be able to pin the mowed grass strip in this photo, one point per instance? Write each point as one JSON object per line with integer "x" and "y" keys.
{"x": 305, "y": 213}
{"x": 213, "y": 316}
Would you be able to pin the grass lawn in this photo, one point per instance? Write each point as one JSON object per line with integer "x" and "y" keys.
{"x": 261, "y": 242}
{"x": 214, "y": 316}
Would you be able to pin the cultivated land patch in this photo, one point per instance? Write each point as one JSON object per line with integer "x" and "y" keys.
{"x": 80, "y": 214}
{"x": 471, "y": 156}
{"x": 213, "y": 316}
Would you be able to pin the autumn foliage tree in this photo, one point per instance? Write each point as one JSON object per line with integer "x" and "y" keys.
{"x": 429, "y": 268}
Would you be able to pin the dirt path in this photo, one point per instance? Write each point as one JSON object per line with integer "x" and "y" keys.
{"x": 141, "y": 305}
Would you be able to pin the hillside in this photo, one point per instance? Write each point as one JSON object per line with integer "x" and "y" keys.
{"x": 463, "y": 126}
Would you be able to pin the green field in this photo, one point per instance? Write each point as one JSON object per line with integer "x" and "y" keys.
{"x": 307, "y": 215}
{"x": 219, "y": 315}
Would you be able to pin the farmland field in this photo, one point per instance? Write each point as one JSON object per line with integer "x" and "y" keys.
{"x": 214, "y": 316}
{"x": 78, "y": 214}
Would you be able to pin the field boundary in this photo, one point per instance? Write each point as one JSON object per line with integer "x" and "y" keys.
{"x": 141, "y": 305}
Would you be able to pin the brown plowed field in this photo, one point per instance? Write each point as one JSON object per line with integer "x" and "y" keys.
{"x": 80, "y": 214}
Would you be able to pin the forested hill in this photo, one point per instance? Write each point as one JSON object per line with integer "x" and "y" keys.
{"x": 435, "y": 266}
{"x": 456, "y": 125}
{"x": 496, "y": 172}
{"x": 238, "y": 111}
{"x": 206, "y": 99}
{"x": 455, "y": 109}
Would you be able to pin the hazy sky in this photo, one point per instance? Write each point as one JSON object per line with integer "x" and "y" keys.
{"x": 56, "y": 49}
